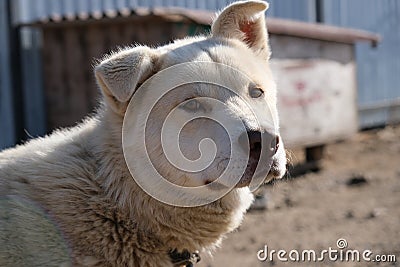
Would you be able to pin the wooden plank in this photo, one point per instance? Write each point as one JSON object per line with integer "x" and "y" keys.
{"x": 128, "y": 34}
{"x": 53, "y": 58}
{"x": 94, "y": 40}
{"x": 115, "y": 35}
{"x": 74, "y": 77}
{"x": 86, "y": 69}
{"x": 131, "y": 33}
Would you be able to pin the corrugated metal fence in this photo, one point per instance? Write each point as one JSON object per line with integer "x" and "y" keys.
{"x": 378, "y": 68}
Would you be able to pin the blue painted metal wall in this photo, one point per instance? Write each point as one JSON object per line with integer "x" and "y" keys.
{"x": 7, "y": 123}
{"x": 304, "y": 10}
{"x": 378, "y": 69}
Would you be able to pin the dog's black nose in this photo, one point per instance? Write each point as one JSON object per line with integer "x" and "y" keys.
{"x": 256, "y": 139}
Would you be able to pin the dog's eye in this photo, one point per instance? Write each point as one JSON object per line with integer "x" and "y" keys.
{"x": 256, "y": 92}
{"x": 192, "y": 105}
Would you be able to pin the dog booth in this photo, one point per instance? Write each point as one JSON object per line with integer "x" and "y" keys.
{"x": 314, "y": 66}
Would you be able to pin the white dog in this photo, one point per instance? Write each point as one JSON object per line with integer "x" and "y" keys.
{"x": 69, "y": 199}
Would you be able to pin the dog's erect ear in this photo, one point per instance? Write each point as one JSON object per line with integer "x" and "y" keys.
{"x": 120, "y": 75}
{"x": 244, "y": 20}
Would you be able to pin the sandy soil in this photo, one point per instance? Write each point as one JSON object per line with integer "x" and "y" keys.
{"x": 314, "y": 210}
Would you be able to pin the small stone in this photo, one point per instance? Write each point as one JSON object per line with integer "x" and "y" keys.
{"x": 357, "y": 180}
{"x": 289, "y": 202}
{"x": 349, "y": 214}
{"x": 376, "y": 213}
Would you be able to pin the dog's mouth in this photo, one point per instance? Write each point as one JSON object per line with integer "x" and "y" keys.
{"x": 271, "y": 170}
{"x": 254, "y": 158}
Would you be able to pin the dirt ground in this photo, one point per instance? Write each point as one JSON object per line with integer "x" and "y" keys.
{"x": 356, "y": 196}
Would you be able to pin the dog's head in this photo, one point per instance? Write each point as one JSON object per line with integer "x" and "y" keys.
{"x": 222, "y": 90}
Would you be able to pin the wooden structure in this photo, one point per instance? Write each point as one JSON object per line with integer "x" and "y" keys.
{"x": 70, "y": 48}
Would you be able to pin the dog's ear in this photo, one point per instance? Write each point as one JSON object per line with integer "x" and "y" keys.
{"x": 244, "y": 20}
{"x": 121, "y": 74}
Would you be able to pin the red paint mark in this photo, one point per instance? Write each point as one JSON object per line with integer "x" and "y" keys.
{"x": 301, "y": 101}
{"x": 300, "y": 86}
